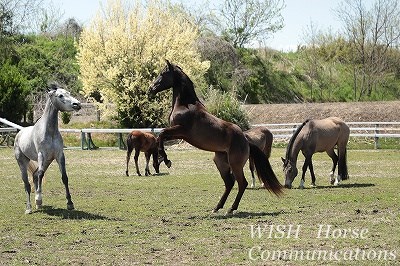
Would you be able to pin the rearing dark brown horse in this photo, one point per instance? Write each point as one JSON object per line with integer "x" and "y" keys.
{"x": 191, "y": 122}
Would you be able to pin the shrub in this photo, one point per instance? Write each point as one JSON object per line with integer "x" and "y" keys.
{"x": 225, "y": 105}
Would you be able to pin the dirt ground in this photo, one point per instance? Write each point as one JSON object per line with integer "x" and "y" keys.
{"x": 350, "y": 112}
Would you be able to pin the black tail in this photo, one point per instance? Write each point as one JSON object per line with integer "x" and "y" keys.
{"x": 264, "y": 170}
{"x": 342, "y": 165}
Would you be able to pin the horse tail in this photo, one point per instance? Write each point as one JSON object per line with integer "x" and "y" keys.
{"x": 264, "y": 170}
{"x": 268, "y": 143}
{"x": 342, "y": 164}
{"x": 33, "y": 167}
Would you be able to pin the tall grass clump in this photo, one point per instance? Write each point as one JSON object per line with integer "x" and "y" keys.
{"x": 226, "y": 106}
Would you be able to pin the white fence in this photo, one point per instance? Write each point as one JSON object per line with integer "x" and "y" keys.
{"x": 374, "y": 130}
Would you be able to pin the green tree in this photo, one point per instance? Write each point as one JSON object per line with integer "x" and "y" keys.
{"x": 43, "y": 59}
{"x": 122, "y": 51}
{"x": 13, "y": 92}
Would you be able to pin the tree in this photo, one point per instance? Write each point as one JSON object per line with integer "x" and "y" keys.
{"x": 373, "y": 33}
{"x": 43, "y": 59}
{"x": 246, "y": 21}
{"x": 123, "y": 50}
{"x": 13, "y": 92}
{"x": 17, "y": 15}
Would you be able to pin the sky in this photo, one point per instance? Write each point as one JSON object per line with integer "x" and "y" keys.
{"x": 298, "y": 15}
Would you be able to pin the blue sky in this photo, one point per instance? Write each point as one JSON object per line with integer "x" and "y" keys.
{"x": 298, "y": 15}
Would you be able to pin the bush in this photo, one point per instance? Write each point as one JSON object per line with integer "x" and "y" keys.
{"x": 225, "y": 105}
{"x": 66, "y": 117}
{"x": 13, "y": 93}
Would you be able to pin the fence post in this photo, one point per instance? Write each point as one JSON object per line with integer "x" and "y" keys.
{"x": 376, "y": 138}
{"x": 121, "y": 142}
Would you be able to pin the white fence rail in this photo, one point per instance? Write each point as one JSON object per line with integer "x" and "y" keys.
{"x": 283, "y": 131}
{"x": 375, "y": 130}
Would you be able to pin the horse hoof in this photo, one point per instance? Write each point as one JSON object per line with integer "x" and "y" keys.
{"x": 39, "y": 204}
{"x": 168, "y": 163}
{"x": 70, "y": 207}
{"x": 229, "y": 212}
{"x": 313, "y": 185}
{"x": 301, "y": 187}
{"x": 127, "y": 174}
{"x": 29, "y": 211}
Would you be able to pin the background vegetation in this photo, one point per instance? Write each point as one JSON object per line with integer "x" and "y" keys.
{"x": 112, "y": 60}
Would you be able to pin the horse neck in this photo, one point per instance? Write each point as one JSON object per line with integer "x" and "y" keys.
{"x": 184, "y": 93}
{"x": 50, "y": 117}
{"x": 294, "y": 152}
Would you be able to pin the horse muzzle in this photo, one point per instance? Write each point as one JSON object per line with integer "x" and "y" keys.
{"x": 152, "y": 91}
{"x": 76, "y": 106}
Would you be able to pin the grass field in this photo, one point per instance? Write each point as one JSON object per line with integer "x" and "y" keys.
{"x": 166, "y": 219}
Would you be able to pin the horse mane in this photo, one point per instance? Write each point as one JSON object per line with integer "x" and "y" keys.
{"x": 295, "y": 134}
{"x": 187, "y": 86}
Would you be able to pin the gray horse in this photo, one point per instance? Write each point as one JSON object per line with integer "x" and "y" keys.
{"x": 37, "y": 146}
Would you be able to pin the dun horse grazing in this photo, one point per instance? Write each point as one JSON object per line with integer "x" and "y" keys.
{"x": 142, "y": 142}
{"x": 317, "y": 136}
{"x": 262, "y": 138}
{"x": 42, "y": 143}
{"x": 191, "y": 122}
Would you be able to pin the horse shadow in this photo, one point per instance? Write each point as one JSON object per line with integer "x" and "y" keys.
{"x": 354, "y": 185}
{"x": 73, "y": 214}
{"x": 244, "y": 214}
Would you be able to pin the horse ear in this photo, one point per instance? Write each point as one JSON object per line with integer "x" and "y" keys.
{"x": 52, "y": 87}
{"x": 168, "y": 64}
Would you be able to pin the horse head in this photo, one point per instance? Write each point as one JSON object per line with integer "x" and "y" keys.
{"x": 290, "y": 170}
{"x": 62, "y": 99}
{"x": 164, "y": 81}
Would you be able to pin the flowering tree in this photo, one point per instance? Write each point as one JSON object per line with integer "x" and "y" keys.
{"x": 122, "y": 51}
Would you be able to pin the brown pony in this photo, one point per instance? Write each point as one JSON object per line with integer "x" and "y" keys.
{"x": 191, "y": 122}
{"x": 142, "y": 142}
{"x": 262, "y": 138}
{"x": 317, "y": 136}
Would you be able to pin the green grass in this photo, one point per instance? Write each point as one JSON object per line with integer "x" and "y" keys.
{"x": 166, "y": 219}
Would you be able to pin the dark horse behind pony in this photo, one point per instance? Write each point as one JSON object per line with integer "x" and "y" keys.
{"x": 191, "y": 122}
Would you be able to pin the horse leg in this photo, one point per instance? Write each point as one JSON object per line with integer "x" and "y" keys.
{"x": 237, "y": 161}
{"x": 147, "y": 170}
{"x": 242, "y": 184}
{"x": 305, "y": 166}
{"x": 331, "y": 153}
{"x": 156, "y": 164}
{"x": 342, "y": 164}
{"x": 311, "y": 167}
{"x": 251, "y": 166}
{"x": 170, "y": 133}
{"x": 64, "y": 177}
{"x": 23, "y": 163}
{"x": 38, "y": 178}
{"x": 136, "y": 157}
{"x": 128, "y": 156}
{"x": 221, "y": 161}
